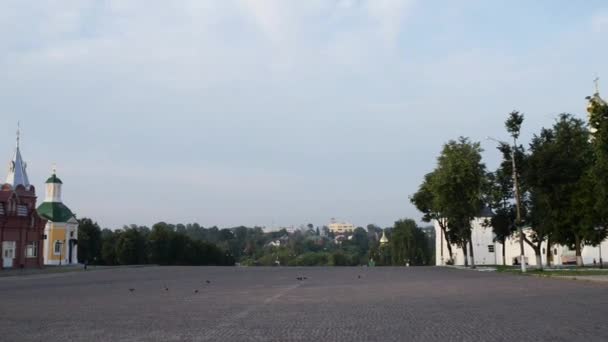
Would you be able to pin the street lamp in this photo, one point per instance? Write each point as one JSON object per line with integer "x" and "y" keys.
{"x": 60, "y": 251}
{"x": 599, "y": 231}
{"x": 522, "y": 257}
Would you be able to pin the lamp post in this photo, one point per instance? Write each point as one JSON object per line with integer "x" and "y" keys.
{"x": 60, "y": 251}
{"x": 522, "y": 256}
{"x": 599, "y": 231}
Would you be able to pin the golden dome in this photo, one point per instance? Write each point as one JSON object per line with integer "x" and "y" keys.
{"x": 383, "y": 239}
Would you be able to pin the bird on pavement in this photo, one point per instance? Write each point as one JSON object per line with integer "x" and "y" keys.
{"x": 131, "y": 289}
{"x": 195, "y": 291}
{"x": 207, "y": 281}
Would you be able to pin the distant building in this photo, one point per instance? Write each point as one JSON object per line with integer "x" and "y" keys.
{"x": 61, "y": 230}
{"x": 21, "y": 229}
{"x": 487, "y": 251}
{"x": 341, "y": 227}
{"x": 383, "y": 239}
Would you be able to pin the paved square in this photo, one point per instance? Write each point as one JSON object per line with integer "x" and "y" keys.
{"x": 270, "y": 304}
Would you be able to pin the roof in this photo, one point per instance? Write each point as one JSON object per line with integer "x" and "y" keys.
{"x": 16, "y": 173}
{"x": 383, "y": 239}
{"x": 54, "y": 179}
{"x": 486, "y": 212}
{"x": 55, "y": 212}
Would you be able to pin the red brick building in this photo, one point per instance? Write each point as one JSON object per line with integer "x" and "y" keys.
{"x": 21, "y": 229}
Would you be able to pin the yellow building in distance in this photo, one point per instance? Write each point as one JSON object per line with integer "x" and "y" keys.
{"x": 341, "y": 227}
{"x": 61, "y": 230}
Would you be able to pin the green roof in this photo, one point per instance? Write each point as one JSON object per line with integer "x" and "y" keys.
{"x": 55, "y": 212}
{"x": 54, "y": 179}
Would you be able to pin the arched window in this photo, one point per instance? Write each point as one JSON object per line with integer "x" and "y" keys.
{"x": 57, "y": 248}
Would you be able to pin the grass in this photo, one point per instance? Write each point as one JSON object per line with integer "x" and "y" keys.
{"x": 582, "y": 271}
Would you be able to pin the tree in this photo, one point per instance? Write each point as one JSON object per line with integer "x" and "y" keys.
{"x": 560, "y": 186}
{"x": 457, "y": 187}
{"x": 159, "y": 243}
{"x": 108, "y": 246}
{"x": 409, "y": 244}
{"x": 131, "y": 247}
{"x": 513, "y": 126}
{"x": 499, "y": 195}
{"x": 426, "y": 202}
{"x": 89, "y": 240}
{"x": 598, "y": 124}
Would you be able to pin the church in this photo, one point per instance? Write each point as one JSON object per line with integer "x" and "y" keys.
{"x": 487, "y": 251}
{"x": 61, "y": 229}
{"x": 30, "y": 236}
{"x": 21, "y": 228}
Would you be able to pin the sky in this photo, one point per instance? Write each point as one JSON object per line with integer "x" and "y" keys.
{"x": 278, "y": 113}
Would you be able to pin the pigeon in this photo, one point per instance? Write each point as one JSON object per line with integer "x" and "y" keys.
{"x": 166, "y": 288}
{"x": 207, "y": 281}
{"x": 195, "y": 291}
{"x": 131, "y": 289}
{"x": 305, "y": 278}
{"x": 299, "y": 278}
{"x": 359, "y": 276}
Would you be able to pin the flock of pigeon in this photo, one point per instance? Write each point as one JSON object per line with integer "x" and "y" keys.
{"x": 300, "y": 278}
{"x": 166, "y": 288}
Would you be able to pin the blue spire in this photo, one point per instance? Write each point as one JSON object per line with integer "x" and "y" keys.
{"x": 17, "y": 167}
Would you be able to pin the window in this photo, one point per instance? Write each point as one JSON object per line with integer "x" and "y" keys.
{"x": 57, "y": 247}
{"x": 555, "y": 251}
{"x": 71, "y": 234}
{"x": 2, "y": 209}
{"x": 21, "y": 210}
{"x": 31, "y": 250}
{"x": 491, "y": 248}
{"x": 543, "y": 251}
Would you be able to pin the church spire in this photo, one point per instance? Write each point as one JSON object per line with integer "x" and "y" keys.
{"x": 17, "y": 174}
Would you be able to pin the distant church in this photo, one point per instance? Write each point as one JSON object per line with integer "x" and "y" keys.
{"x": 61, "y": 230}
{"x": 487, "y": 251}
{"x": 21, "y": 228}
{"x": 31, "y": 237}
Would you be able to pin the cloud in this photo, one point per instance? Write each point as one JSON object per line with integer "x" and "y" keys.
{"x": 599, "y": 22}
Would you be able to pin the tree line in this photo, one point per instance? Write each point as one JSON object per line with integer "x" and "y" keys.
{"x": 559, "y": 180}
{"x": 192, "y": 244}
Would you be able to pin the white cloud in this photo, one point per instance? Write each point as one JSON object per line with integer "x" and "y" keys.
{"x": 599, "y": 22}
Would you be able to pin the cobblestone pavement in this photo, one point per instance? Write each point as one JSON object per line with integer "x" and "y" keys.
{"x": 270, "y": 304}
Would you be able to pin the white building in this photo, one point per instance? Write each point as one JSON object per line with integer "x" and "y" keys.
{"x": 489, "y": 252}
{"x": 341, "y": 227}
{"x": 61, "y": 230}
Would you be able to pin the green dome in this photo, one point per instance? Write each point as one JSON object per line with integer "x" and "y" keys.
{"x": 54, "y": 179}
{"x": 55, "y": 212}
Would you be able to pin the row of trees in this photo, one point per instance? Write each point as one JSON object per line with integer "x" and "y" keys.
{"x": 559, "y": 180}
{"x": 131, "y": 245}
{"x": 191, "y": 244}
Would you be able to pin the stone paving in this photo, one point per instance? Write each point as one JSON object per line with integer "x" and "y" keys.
{"x": 270, "y": 304}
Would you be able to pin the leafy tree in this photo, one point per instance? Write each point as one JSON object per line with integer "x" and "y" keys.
{"x": 598, "y": 123}
{"x": 409, "y": 244}
{"x": 131, "y": 247}
{"x": 89, "y": 240}
{"x": 457, "y": 187}
{"x": 426, "y": 202}
{"x": 159, "y": 244}
{"x": 108, "y": 246}
{"x": 560, "y": 185}
{"x": 499, "y": 195}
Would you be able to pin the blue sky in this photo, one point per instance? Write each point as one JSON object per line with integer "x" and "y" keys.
{"x": 261, "y": 112}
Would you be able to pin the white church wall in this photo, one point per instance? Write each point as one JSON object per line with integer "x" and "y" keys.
{"x": 483, "y": 237}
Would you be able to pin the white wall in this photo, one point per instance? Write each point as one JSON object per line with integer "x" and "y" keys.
{"x": 484, "y": 237}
